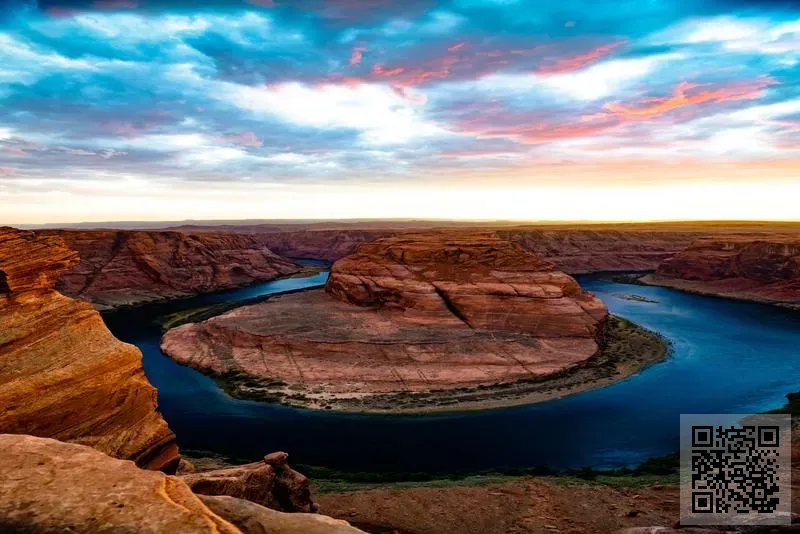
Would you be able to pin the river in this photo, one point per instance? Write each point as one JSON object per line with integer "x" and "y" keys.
{"x": 727, "y": 357}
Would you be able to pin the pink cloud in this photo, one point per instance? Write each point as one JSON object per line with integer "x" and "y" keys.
{"x": 7, "y": 171}
{"x": 17, "y": 151}
{"x": 357, "y": 54}
{"x": 245, "y": 139}
{"x": 687, "y": 94}
{"x": 457, "y": 47}
{"x": 576, "y": 62}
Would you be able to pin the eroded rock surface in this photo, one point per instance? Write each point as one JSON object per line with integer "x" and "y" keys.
{"x": 252, "y": 518}
{"x": 62, "y": 373}
{"x": 405, "y": 314}
{"x": 49, "y": 486}
{"x": 761, "y": 268}
{"x": 586, "y": 250}
{"x": 123, "y": 267}
{"x": 270, "y": 482}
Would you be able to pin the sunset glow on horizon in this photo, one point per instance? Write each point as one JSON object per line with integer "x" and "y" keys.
{"x": 462, "y": 109}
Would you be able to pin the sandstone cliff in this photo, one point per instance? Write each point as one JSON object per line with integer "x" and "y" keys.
{"x": 573, "y": 247}
{"x": 328, "y": 245}
{"x": 585, "y": 250}
{"x": 49, "y": 486}
{"x": 760, "y": 268}
{"x": 62, "y": 373}
{"x": 130, "y": 267}
{"x": 571, "y": 250}
{"x": 410, "y": 313}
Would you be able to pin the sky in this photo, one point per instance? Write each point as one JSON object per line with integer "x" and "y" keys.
{"x": 117, "y": 110}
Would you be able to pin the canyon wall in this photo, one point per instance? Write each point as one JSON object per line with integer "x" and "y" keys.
{"x": 63, "y": 374}
{"x": 573, "y": 251}
{"x": 762, "y": 268}
{"x": 585, "y": 251}
{"x": 328, "y": 245}
{"x": 125, "y": 267}
{"x": 572, "y": 247}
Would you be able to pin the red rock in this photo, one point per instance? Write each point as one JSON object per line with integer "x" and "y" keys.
{"x": 763, "y": 268}
{"x": 271, "y": 483}
{"x": 489, "y": 283}
{"x": 407, "y": 313}
{"x": 62, "y": 373}
{"x": 130, "y": 267}
{"x": 573, "y": 248}
{"x": 586, "y": 250}
{"x": 47, "y": 486}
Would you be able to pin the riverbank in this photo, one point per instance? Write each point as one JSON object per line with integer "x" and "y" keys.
{"x": 718, "y": 289}
{"x": 627, "y": 349}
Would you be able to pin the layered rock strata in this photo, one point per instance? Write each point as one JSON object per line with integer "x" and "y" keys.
{"x": 759, "y": 268}
{"x": 125, "y": 267}
{"x": 407, "y": 313}
{"x": 62, "y": 373}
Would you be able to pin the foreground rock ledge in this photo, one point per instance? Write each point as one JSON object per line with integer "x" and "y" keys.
{"x": 62, "y": 373}
{"x": 49, "y": 486}
{"x": 411, "y": 313}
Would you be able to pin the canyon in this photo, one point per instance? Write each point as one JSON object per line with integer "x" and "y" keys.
{"x": 64, "y": 375}
{"x": 404, "y": 315}
{"x": 757, "y": 268}
{"x": 407, "y": 318}
{"x": 129, "y": 267}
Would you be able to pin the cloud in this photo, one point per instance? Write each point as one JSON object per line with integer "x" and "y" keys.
{"x": 377, "y": 112}
{"x": 356, "y": 55}
{"x": 688, "y": 94}
{"x": 578, "y": 61}
{"x": 366, "y": 91}
{"x": 245, "y": 139}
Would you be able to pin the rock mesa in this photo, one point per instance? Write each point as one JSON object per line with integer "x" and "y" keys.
{"x": 409, "y": 313}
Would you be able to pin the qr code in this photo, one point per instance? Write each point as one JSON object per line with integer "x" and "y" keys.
{"x": 735, "y": 469}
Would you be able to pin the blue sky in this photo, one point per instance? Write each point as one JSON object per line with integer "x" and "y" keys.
{"x": 137, "y": 109}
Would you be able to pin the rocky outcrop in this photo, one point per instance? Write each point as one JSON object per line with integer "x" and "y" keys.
{"x": 411, "y": 313}
{"x": 49, "y": 486}
{"x": 131, "y": 267}
{"x": 252, "y": 518}
{"x": 762, "y": 268}
{"x": 488, "y": 283}
{"x": 62, "y": 373}
{"x": 271, "y": 483}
